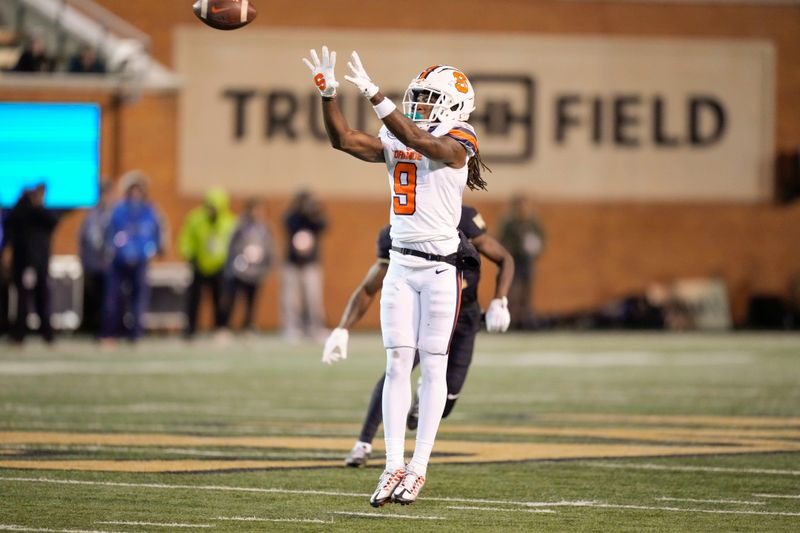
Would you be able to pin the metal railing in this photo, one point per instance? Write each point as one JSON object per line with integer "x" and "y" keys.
{"x": 67, "y": 25}
{"x": 110, "y": 22}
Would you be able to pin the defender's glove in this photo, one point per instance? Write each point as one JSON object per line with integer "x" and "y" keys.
{"x": 497, "y": 316}
{"x": 335, "y": 346}
{"x": 360, "y": 78}
{"x": 324, "y": 78}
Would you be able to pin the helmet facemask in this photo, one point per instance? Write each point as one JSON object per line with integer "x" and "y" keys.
{"x": 418, "y": 99}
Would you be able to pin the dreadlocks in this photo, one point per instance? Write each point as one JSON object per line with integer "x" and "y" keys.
{"x": 475, "y": 166}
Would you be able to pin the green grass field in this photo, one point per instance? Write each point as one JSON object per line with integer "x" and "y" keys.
{"x": 554, "y": 432}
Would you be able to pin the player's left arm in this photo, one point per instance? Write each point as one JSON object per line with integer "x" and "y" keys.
{"x": 491, "y": 248}
{"x": 336, "y": 345}
{"x": 444, "y": 149}
{"x": 362, "y": 297}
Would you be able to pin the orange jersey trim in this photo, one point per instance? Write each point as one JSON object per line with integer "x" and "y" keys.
{"x": 465, "y": 136}
{"x": 459, "y": 287}
{"x": 424, "y": 73}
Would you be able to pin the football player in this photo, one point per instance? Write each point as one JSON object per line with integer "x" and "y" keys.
{"x": 431, "y": 154}
{"x": 463, "y": 343}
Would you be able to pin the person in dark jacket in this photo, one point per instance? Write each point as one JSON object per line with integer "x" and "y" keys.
{"x": 95, "y": 259}
{"x": 86, "y": 61}
{"x": 4, "y": 281}
{"x": 34, "y": 57}
{"x": 523, "y": 235}
{"x": 303, "y": 311}
{"x": 134, "y": 238}
{"x": 29, "y": 229}
{"x": 249, "y": 260}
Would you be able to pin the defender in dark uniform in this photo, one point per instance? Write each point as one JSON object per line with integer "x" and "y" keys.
{"x": 463, "y": 340}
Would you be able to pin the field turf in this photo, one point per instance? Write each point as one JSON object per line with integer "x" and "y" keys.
{"x": 553, "y": 432}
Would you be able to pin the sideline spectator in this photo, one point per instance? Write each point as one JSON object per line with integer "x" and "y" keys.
{"x": 95, "y": 259}
{"x": 522, "y": 234}
{"x": 34, "y": 57}
{"x": 204, "y": 241}
{"x": 29, "y": 228}
{"x": 303, "y": 311}
{"x": 134, "y": 238}
{"x": 249, "y": 259}
{"x": 86, "y": 61}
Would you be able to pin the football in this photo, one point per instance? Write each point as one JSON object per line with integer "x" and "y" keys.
{"x": 225, "y": 14}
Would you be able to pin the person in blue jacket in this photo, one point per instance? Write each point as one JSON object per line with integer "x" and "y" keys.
{"x": 133, "y": 237}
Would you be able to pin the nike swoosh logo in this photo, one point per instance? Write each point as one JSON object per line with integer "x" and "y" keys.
{"x": 217, "y": 10}
{"x": 440, "y": 271}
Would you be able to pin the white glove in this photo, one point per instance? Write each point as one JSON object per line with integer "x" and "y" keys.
{"x": 324, "y": 78}
{"x": 497, "y": 316}
{"x": 335, "y": 346}
{"x": 360, "y": 78}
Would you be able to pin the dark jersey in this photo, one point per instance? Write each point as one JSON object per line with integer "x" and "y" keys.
{"x": 472, "y": 225}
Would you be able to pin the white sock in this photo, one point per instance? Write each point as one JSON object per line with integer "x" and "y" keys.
{"x": 396, "y": 403}
{"x": 432, "y": 398}
{"x": 366, "y": 445}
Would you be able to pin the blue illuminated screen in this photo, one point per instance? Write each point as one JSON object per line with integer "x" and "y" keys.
{"x": 54, "y": 144}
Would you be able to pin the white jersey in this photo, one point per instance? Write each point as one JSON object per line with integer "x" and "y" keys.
{"x": 426, "y": 194}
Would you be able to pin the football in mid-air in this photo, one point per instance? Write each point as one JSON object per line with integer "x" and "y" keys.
{"x": 225, "y": 14}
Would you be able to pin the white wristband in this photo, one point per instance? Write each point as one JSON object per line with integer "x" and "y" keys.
{"x": 384, "y": 109}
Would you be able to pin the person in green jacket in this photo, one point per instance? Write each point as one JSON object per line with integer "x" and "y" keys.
{"x": 204, "y": 240}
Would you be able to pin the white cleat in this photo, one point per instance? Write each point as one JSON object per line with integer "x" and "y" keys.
{"x": 359, "y": 455}
{"x": 407, "y": 490}
{"x": 386, "y": 485}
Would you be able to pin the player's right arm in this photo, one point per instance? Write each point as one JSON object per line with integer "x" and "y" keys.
{"x": 354, "y": 142}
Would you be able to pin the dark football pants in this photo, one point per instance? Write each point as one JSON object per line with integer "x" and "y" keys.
{"x": 41, "y": 300}
{"x": 249, "y": 291}
{"x": 216, "y": 283}
{"x": 458, "y": 361}
{"x": 126, "y": 286}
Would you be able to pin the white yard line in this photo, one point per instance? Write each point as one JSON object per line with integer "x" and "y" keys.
{"x": 465, "y": 508}
{"x": 172, "y": 451}
{"x": 355, "y": 495}
{"x": 229, "y": 488}
{"x": 14, "y": 527}
{"x": 378, "y": 514}
{"x": 154, "y": 524}
{"x": 258, "y": 519}
{"x": 684, "y": 510}
{"x": 181, "y": 487}
{"x": 693, "y": 500}
{"x": 788, "y": 496}
{"x": 602, "y": 505}
{"x": 720, "y": 469}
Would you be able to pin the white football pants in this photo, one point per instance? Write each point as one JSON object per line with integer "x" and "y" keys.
{"x": 419, "y": 307}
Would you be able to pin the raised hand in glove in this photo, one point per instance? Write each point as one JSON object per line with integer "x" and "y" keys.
{"x": 335, "y": 346}
{"x": 497, "y": 316}
{"x": 360, "y": 78}
{"x": 324, "y": 78}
